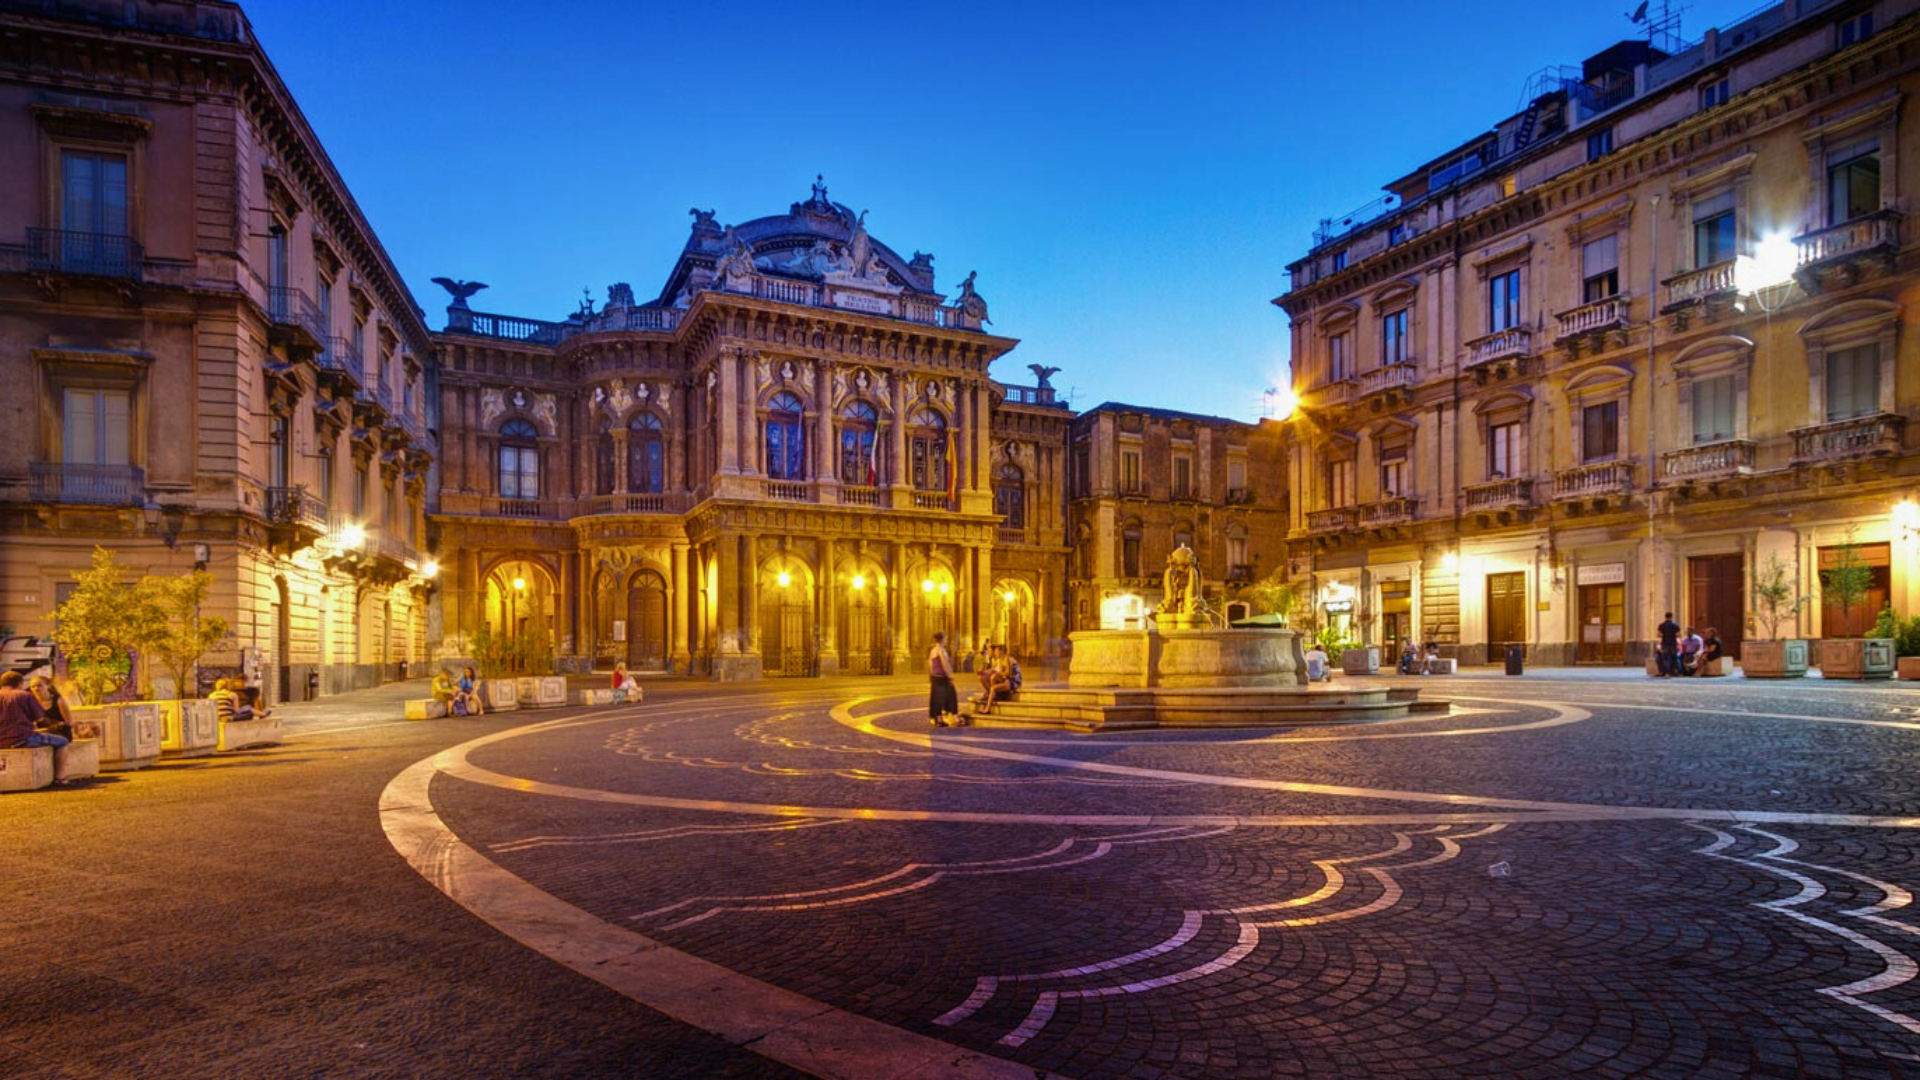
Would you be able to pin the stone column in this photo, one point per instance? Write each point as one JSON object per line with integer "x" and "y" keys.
{"x": 823, "y": 448}
{"x": 901, "y": 472}
{"x": 749, "y": 594}
{"x": 724, "y": 403}
{"x": 678, "y": 610}
{"x": 727, "y": 553}
{"x": 982, "y": 438}
{"x": 827, "y": 608}
{"x": 897, "y": 603}
{"x": 747, "y": 450}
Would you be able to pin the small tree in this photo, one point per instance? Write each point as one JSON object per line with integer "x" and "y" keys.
{"x": 1271, "y": 595}
{"x": 95, "y": 628}
{"x": 1847, "y": 582}
{"x": 1775, "y": 599}
{"x": 173, "y": 631}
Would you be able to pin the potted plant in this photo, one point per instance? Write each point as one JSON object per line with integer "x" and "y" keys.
{"x": 1776, "y": 601}
{"x": 175, "y": 634}
{"x": 1846, "y": 584}
{"x": 1905, "y": 635}
{"x": 96, "y": 629}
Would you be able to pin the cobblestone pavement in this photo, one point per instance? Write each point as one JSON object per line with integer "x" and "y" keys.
{"x": 1571, "y": 874}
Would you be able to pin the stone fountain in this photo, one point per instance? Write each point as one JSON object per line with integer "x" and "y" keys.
{"x": 1185, "y": 671}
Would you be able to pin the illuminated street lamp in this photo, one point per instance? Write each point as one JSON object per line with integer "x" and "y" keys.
{"x": 1771, "y": 265}
{"x": 430, "y": 569}
{"x": 783, "y": 579}
{"x": 926, "y": 585}
{"x": 1906, "y": 519}
{"x": 859, "y": 582}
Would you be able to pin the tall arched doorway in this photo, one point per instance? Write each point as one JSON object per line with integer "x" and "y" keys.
{"x": 1014, "y": 613}
{"x": 609, "y": 618}
{"x": 864, "y": 634}
{"x": 788, "y": 638}
{"x": 647, "y": 622}
{"x": 520, "y": 599}
{"x": 933, "y": 600}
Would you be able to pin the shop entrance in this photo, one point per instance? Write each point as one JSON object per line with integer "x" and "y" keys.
{"x": 1506, "y": 613}
{"x": 1396, "y": 618}
{"x": 1603, "y": 624}
{"x": 1716, "y": 598}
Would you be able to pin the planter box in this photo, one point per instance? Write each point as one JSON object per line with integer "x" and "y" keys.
{"x": 542, "y": 691}
{"x": 78, "y": 760}
{"x": 602, "y": 696}
{"x": 26, "y": 768}
{"x": 189, "y": 728}
{"x": 129, "y": 735}
{"x": 1909, "y": 667}
{"x": 1774, "y": 659}
{"x": 1361, "y": 660}
{"x": 1856, "y": 658}
{"x": 501, "y": 695}
{"x": 1441, "y": 666}
{"x": 245, "y": 734}
{"x": 426, "y": 709}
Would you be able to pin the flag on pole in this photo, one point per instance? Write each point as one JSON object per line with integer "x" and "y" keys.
{"x": 953, "y": 474}
{"x": 873, "y": 459}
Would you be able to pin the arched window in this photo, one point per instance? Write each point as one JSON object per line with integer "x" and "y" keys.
{"x": 929, "y": 451}
{"x": 519, "y": 460}
{"x": 1010, "y": 496}
{"x": 859, "y": 448}
{"x": 646, "y": 454}
{"x": 603, "y": 459}
{"x": 786, "y": 446}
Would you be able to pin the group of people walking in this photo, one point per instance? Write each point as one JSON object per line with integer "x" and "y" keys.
{"x": 1691, "y": 653}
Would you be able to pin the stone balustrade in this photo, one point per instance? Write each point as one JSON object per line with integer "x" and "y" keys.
{"x": 1337, "y": 519}
{"x": 1874, "y": 232}
{"x": 1516, "y": 341}
{"x": 1587, "y": 481}
{"x": 1728, "y": 457}
{"x": 1597, "y": 317}
{"x": 1696, "y": 285}
{"x": 1383, "y": 379}
{"x": 1395, "y": 511}
{"x": 1863, "y": 436}
{"x": 788, "y": 491}
{"x": 1502, "y": 494}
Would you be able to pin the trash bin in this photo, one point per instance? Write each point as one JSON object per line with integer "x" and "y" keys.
{"x": 1515, "y": 658}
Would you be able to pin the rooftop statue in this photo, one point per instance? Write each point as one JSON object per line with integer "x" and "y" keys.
{"x": 460, "y": 290}
{"x": 1044, "y": 374}
{"x": 860, "y": 248}
{"x": 971, "y": 302}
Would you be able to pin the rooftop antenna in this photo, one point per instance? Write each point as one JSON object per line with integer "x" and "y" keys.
{"x": 1661, "y": 20}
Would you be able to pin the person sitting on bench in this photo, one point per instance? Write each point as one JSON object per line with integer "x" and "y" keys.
{"x": 57, "y": 721}
{"x": 228, "y": 702}
{"x": 443, "y": 690}
{"x": 1711, "y": 651}
{"x": 996, "y": 679}
{"x": 20, "y": 717}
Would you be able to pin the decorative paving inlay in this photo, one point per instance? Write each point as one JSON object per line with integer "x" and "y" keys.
{"x": 1646, "y": 882}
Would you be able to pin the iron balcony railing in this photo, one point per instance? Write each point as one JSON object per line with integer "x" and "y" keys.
{"x": 65, "y": 251}
{"x": 342, "y": 355}
{"x": 97, "y": 485}
{"x": 295, "y": 505}
{"x": 288, "y": 306}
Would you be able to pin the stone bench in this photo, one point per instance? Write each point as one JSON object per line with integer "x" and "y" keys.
{"x": 246, "y": 734}
{"x": 541, "y": 691}
{"x": 426, "y": 709}
{"x": 608, "y": 696}
{"x": 26, "y": 768}
{"x": 78, "y": 760}
{"x": 129, "y": 735}
{"x": 189, "y": 728}
{"x": 1440, "y": 665}
{"x": 500, "y": 695}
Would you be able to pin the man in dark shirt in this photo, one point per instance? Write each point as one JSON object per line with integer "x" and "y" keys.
{"x": 20, "y": 715}
{"x": 1669, "y": 647}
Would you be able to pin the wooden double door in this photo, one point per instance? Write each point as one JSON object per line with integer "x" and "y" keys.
{"x": 1717, "y": 598}
{"x": 1506, "y": 613}
{"x": 647, "y": 623}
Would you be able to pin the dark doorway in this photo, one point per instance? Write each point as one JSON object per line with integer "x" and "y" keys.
{"x": 1396, "y": 618}
{"x": 1506, "y": 613}
{"x": 863, "y": 634}
{"x": 647, "y": 622}
{"x": 282, "y": 644}
{"x": 786, "y": 638}
{"x": 1717, "y": 598}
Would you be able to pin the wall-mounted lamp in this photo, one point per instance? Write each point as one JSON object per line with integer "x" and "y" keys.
{"x": 1906, "y": 520}
{"x": 1450, "y": 562}
{"x": 430, "y": 569}
{"x": 927, "y": 585}
{"x": 519, "y": 584}
{"x": 859, "y": 582}
{"x": 783, "y": 579}
{"x": 164, "y": 522}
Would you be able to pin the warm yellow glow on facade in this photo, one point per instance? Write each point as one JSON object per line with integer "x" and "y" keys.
{"x": 783, "y": 579}
{"x": 859, "y": 582}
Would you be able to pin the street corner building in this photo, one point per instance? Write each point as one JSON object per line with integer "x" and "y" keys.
{"x": 209, "y": 357}
{"x": 792, "y": 460}
{"x": 1622, "y": 351}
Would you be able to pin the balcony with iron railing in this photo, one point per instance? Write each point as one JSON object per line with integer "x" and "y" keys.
{"x": 85, "y": 254}
{"x": 94, "y": 485}
{"x": 1336, "y": 519}
{"x": 1873, "y": 234}
{"x": 1863, "y": 436}
{"x": 1591, "y": 481}
{"x": 1728, "y": 457}
{"x": 1696, "y": 286}
{"x": 340, "y": 356}
{"x": 296, "y": 507}
{"x": 1515, "y": 342}
{"x": 294, "y": 317}
{"x": 395, "y": 549}
{"x": 1505, "y": 493}
{"x": 1597, "y": 317}
{"x": 1395, "y": 511}
{"x": 1386, "y": 379}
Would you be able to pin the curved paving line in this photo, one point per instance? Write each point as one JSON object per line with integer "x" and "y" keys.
{"x": 789, "y": 1028}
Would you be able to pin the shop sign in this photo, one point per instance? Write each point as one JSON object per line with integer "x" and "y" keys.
{"x": 1601, "y": 574}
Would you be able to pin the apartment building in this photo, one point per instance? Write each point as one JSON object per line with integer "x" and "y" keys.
{"x": 1609, "y": 357}
{"x": 211, "y": 360}
{"x": 1147, "y": 481}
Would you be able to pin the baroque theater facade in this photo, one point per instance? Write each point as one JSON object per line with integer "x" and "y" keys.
{"x": 792, "y": 461}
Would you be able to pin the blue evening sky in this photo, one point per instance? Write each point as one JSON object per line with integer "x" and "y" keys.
{"x": 1129, "y": 179}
